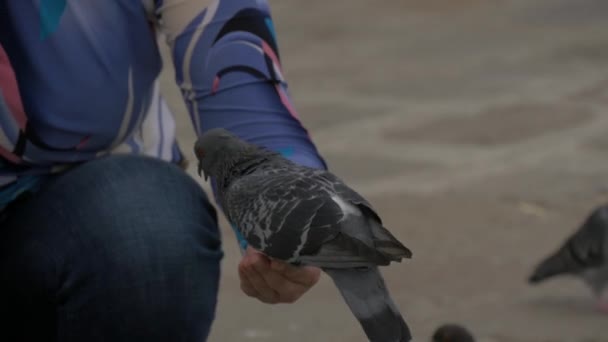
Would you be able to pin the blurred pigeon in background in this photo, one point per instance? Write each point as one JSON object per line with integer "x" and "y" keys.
{"x": 583, "y": 254}
{"x": 452, "y": 333}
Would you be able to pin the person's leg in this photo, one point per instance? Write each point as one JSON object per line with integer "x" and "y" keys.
{"x": 120, "y": 249}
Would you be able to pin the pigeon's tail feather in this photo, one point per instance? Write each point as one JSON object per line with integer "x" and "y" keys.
{"x": 388, "y": 245}
{"x": 367, "y": 297}
{"x": 343, "y": 252}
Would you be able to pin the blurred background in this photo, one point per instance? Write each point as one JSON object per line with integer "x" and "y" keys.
{"x": 478, "y": 129}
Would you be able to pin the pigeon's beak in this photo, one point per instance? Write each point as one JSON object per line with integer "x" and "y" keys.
{"x": 202, "y": 172}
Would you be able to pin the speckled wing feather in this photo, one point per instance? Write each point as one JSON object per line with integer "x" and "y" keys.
{"x": 300, "y": 214}
{"x": 281, "y": 214}
{"x": 382, "y": 239}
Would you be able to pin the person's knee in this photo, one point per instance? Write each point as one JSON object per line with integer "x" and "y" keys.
{"x": 128, "y": 235}
{"x": 139, "y": 193}
{"x": 141, "y": 217}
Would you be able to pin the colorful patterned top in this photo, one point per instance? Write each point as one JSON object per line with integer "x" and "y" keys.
{"x": 79, "y": 80}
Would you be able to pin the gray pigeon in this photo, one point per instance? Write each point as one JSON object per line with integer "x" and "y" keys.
{"x": 583, "y": 254}
{"x": 309, "y": 217}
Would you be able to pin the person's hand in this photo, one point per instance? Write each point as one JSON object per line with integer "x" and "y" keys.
{"x": 272, "y": 281}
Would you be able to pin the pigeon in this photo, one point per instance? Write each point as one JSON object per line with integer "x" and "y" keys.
{"x": 452, "y": 333}
{"x": 307, "y": 216}
{"x": 583, "y": 254}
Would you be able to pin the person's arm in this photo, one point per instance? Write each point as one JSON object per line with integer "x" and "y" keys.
{"x": 228, "y": 67}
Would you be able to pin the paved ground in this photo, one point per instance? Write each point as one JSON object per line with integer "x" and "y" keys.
{"x": 477, "y": 128}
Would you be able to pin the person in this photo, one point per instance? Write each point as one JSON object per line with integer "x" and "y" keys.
{"x": 103, "y": 236}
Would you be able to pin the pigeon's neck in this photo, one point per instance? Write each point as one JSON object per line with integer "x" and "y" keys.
{"x": 244, "y": 166}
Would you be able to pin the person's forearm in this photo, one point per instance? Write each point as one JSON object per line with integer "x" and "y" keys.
{"x": 228, "y": 68}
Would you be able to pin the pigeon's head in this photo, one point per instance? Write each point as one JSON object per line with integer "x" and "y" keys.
{"x": 216, "y": 149}
{"x": 452, "y": 333}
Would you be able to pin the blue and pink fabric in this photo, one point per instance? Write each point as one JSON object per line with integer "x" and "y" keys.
{"x": 79, "y": 80}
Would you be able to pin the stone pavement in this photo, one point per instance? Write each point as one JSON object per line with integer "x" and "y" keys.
{"x": 479, "y": 131}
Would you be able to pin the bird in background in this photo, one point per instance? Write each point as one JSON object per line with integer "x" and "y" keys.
{"x": 452, "y": 333}
{"x": 584, "y": 254}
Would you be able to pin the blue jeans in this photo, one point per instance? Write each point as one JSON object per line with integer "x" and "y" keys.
{"x": 124, "y": 248}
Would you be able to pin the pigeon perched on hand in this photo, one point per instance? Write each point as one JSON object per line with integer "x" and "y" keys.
{"x": 583, "y": 254}
{"x": 307, "y": 216}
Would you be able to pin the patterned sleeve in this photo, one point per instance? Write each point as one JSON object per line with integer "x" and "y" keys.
{"x": 228, "y": 68}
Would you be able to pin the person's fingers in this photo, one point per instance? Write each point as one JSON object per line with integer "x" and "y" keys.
{"x": 278, "y": 265}
{"x": 274, "y": 281}
{"x": 287, "y": 290}
{"x": 303, "y": 275}
{"x": 254, "y": 266}
{"x": 246, "y": 285}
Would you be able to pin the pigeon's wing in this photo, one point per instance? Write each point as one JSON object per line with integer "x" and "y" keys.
{"x": 299, "y": 216}
{"x": 282, "y": 214}
{"x": 348, "y": 194}
{"x": 382, "y": 239}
